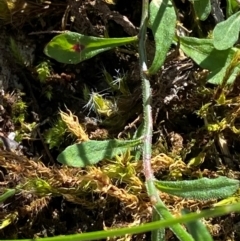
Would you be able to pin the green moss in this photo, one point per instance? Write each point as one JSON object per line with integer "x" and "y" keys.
{"x": 19, "y": 110}
{"x": 43, "y": 70}
{"x": 55, "y": 135}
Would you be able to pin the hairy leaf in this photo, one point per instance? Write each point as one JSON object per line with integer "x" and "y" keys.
{"x": 91, "y": 152}
{"x": 73, "y": 48}
{"x": 201, "y": 189}
{"x": 162, "y": 21}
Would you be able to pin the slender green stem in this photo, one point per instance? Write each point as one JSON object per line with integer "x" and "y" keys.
{"x": 153, "y": 193}
{"x": 147, "y": 95}
{"x": 97, "y": 235}
{"x": 148, "y": 126}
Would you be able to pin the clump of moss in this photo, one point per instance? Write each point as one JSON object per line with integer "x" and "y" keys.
{"x": 43, "y": 70}
{"x": 19, "y": 111}
{"x": 55, "y": 136}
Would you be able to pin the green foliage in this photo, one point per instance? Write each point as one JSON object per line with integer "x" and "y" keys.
{"x": 40, "y": 187}
{"x": 91, "y": 152}
{"x": 16, "y": 53}
{"x": 43, "y": 69}
{"x": 216, "y": 55}
{"x": 198, "y": 230}
{"x": 218, "y": 62}
{"x": 202, "y": 51}
{"x": 201, "y": 189}
{"x": 158, "y": 234}
{"x": 162, "y": 21}
{"x": 73, "y": 48}
{"x": 19, "y": 110}
{"x": 55, "y": 135}
{"x": 7, "y": 194}
{"x": 230, "y": 200}
{"x": 48, "y": 92}
{"x": 8, "y": 219}
{"x": 202, "y": 8}
{"x": 226, "y": 33}
{"x": 232, "y": 7}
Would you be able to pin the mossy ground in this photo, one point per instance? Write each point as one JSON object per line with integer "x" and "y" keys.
{"x": 193, "y": 135}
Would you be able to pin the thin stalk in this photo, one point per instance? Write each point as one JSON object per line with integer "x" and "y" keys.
{"x": 97, "y": 235}
{"x": 147, "y": 95}
{"x": 159, "y": 207}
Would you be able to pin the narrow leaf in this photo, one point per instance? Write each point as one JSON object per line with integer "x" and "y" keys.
{"x": 162, "y": 21}
{"x": 198, "y": 230}
{"x": 158, "y": 234}
{"x": 201, "y": 189}
{"x": 179, "y": 231}
{"x": 73, "y": 48}
{"x": 7, "y": 194}
{"x": 226, "y": 33}
{"x": 91, "y": 152}
{"x": 202, "y": 8}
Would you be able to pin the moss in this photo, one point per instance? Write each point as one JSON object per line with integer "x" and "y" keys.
{"x": 55, "y": 136}
{"x": 19, "y": 111}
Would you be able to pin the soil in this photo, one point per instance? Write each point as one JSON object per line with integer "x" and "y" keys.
{"x": 75, "y": 200}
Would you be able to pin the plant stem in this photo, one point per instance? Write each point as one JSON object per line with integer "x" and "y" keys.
{"x": 97, "y": 235}
{"x": 159, "y": 207}
{"x": 147, "y": 110}
{"x": 147, "y": 96}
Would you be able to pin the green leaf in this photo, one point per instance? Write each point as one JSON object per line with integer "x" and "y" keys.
{"x": 73, "y": 48}
{"x": 232, "y": 7}
{"x": 204, "y": 54}
{"x": 229, "y": 72}
{"x": 226, "y": 33}
{"x": 7, "y": 194}
{"x": 162, "y": 21}
{"x": 91, "y": 152}
{"x": 202, "y": 8}
{"x": 201, "y": 189}
{"x": 158, "y": 234}
{"x": 198, "y": 230}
